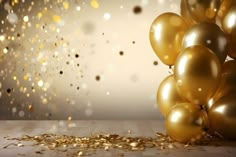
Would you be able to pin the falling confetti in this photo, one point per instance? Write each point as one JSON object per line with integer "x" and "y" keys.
{"x": 97, "y": 78}
{"x": 107, "y": 16}
{"x": 30, "y": 107}
{"x": 5, "y": 50}
{"x": 2, "y": 37}
{"x": 69, "y": 118}
{"x": 40, "y": 83}
{"x": 94, "y": 4}
{"x": 155, "y": 63}
{"x": 137, "y": 9}
{"x": 26, "y": 18}
{"x": 56, "y": 18}
{"x": 12, "y": 18}
{"x": 78, "y": 8}
{"x": 66, "y": 5}
{"x": 50, "y": 51}
{"x": 8, "y": 90}
{"x": 76, "y": 56}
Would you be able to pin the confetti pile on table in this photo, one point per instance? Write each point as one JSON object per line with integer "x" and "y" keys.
{"x": 85, "y": 146}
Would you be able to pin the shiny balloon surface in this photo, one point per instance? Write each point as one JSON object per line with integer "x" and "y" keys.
{"x": 198, "y": 73}
{"x": 186, "y": 122}
{"x": 209, "y": 35}
{"x": 166, "y": 34}
{"x": 222, "y": 116}
{"x": 167, "y": 95}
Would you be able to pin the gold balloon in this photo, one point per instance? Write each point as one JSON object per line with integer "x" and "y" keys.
{"x": 186, "y": 14}
{"x": 203, "y": 10}
{"x": 224, "y": 7}
{"x": 167, "y": 95}
{"x": 229, "y": 21}
{"x": 229, "y": 26}
{"x": 232, "y": 49}
{"x": 229, "y": 68}
{"x": 222, "y": 116}
{"x": 186, "y": 122}
{"x": 209, "y": 35}
{"x": 197, "y": 72}
{"x": 227, "y": 83}
{"x": 166, "y": 35}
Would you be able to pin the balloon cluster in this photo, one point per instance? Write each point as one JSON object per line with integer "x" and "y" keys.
{"x": 201, "y": 93}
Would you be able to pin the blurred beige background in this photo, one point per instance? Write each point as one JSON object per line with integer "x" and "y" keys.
{"x": 65, "y": 61}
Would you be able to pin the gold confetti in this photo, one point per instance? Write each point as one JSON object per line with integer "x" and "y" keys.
{"x": 25, "y": 77}
{"x": 20, "y": 145}
{"x": 170, "y": 146}
{"x": 30, "y": 108}
{"x": 40, "y": 83}
{"x": 5, "y": 50}
{"x": 56, "y": 18}
{"x": 79, "y": 146}
{"x": 39, "y": 15}
{"x": 2, "y": 37}
{"x": 14, "y": 2}
{"x": 69, "y": 118}
{"x": 66, "y": 5}
{"x": 14, "y": 77}
{"x": 44, "y": 101}
{"x": 134, "y": 144}
{"x": 37, "y": 26}
{"x": 38, "y": 152}
{"x": 26, "y": 18}
{"x": 41, "y": 46}
{"x": 94, "y": 4}
{"x": 106, "y": 148}
{"x": 80, "y": 153}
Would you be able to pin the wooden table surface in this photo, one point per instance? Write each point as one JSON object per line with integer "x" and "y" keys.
{"x": 86, "y": 128}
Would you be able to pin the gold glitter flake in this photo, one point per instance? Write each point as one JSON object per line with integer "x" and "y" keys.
{"x": 26, "y": 18}
{"x": 40, "y": 83}
{"x": 66, "y": 5}
{"x": 14, "y": 2}
{"x": 94, "y": 4}
{"x": 30, "y": 107}
{"x": 56, "y": 18}
{"x": 20, "y": 145}
{"x": 80, "y": 153}
{"x": 14, "y": 77}
{"x": 2, "y": 37}
{"x": 69, "y": 118}
{"x": 39, "y": 15}
{"x": 25, "y": 77}
{"x": 81, "y": 145}
{"x": 5, "y": 50}
{"x": 76, "y": 146}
